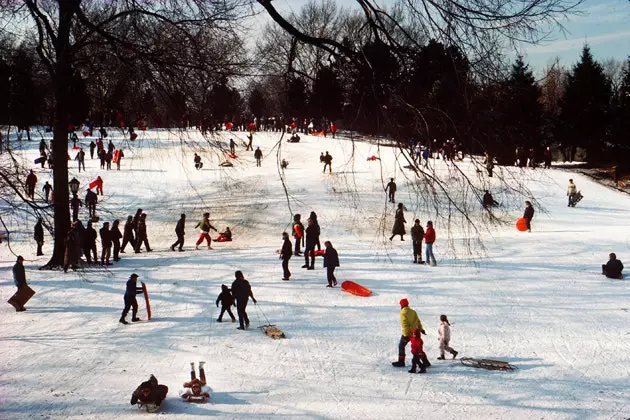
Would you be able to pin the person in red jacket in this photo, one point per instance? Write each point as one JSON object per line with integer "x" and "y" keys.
{"x": 429, "y": 238}
{"x": 418, "y": 352}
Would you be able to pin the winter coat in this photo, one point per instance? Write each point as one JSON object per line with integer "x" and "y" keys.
{"x": 149, "y": 392}
{"x": 298, "y": 230}
{"x": 114, "y": 233}
{"x": 286, "y": 251}
{"x": 444, "y": 333}
{"x": 91, "y": 197}
{"x": 417, "y": 233}
{"x": 142, "y": 229}
{"x": 572, "y": 189}
{"x": 205, "y": 226}
{"x": 331, "y": 258}
{"x": 328, "y": 159}
{"x": 38, "y": 232}
{"x": 613, "y": 268}
{"x": 258, "y": 154}
{"x": 409, "y": 321}
{"x": 19, "y": 275}
{"x": 429, "y": 236}
{"x": 71, "y": 257}
{"x": 106, "y": 237}
{"x": 179, "y": 229}
{"x": 391, "y": 186}
{"x": 242, "y": 290}
{"x": 416, "y": 344}
{"x": 312, "y": 235}
{"x": 89, "y": 237}
{"x": 529, "y": 212}
{"x": 129, "y": 230}
{"x": 399, "y": 223}
{"x": 136, "y": 219}
{"x": 132, "y": 289}
{"x": 225, "y": 297}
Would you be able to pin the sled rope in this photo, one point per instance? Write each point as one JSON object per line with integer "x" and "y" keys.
{"x": 263, "y": 314}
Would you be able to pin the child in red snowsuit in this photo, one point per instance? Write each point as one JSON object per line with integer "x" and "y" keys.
{"x": 418, "y": 352}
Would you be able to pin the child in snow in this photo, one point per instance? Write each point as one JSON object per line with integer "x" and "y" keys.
{"x": 149, "y": 393}
{"x": 196, "y": 390}
{"x": 445, "y": 337}
{"x": 227, "y": 300}
{"x": 418, "y": 352}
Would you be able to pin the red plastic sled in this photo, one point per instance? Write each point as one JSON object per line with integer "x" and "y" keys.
{"x": 355, "y": 288}
{"x": 76, "y": 148}
{"x": 521, "y": 224}
{"x": 318, "y": 253}
{"x": 232, "y": 155}
{"x": 116, "y": 156}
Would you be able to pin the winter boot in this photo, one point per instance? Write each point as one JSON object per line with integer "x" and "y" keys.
{"x": 122, "y": 321}
{"x": 441, "y": 357}
{"x": 192, "y": 370}
{"x": 400, "y": 362}
{"x": 135, "y": 319}
{"x": 423, "y": 369}
{"x": 425, "y": 361}
{"x": 454, "y": 353}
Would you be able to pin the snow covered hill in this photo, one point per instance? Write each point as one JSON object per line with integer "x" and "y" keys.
{"x": 535, "y": 299}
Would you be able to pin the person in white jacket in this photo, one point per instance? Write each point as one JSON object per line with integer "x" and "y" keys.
{"x": 445, "y": 337}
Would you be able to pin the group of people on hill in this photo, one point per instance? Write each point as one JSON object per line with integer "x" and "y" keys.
{"x": 418, "y": 234}
{"x": 204, "y": 226}
{"x": 309, "y": 238}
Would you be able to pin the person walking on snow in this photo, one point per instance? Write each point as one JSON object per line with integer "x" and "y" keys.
{"x": 390, "y": 189}
{"x": 242, "y": 291}
{"x": 141, "y": 234}
{"x": 312, "y": 237}
{"x": 19, "y": 277}
{"x": 417, "y": 235}
{"x": 445, "y": 337}
{"x": 258, "y": 155}
{"x": 571, "y": 193}
{"x": 429, "y": 239}
{"x": 232, "y": 147}
{"x": 285, "y": 256}
{"x": 47, "y": 188}
{"x": 418, "y": 352}
{"x": 131, "y": 291}
{"x": 528, "y": 215}
{"x": 80, "y": 158}
{"x": 31, "y": 180}
{"x": 38, "y": 235}
{"x": 331, "y": 261}
{"x": 179, "y": 231}
{"x": 128, "y": 235}
{"x": 227, "y": 301}
{"x": 399, "y": 223}
{"x": 409, "y": 321}
{"x": 205, "y": 226}
{"x": 106, "y": 244}
{"x": 116, "y": 235}
{"x": 327, "y": 162}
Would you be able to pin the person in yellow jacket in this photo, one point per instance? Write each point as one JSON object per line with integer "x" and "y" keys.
{"x": 409, "y": 322}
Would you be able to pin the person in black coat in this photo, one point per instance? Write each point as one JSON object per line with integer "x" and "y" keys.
{"x": 128, "y": 235}
{"x": 242, "y": 291}
{"x": 613, "y": 268}
{"x": 227, "y": 301}
{"x": 179, "y": 231}
{"x": 149, "y": 392}
{"x": 88, "y": 243}
{"x": 106, "y": 244}
{"x": 19, "y": 277}
{"x": 399, "y": 223}
{"x": 285, "y": 256}
{"x": 116, "y": 235}
{"x": 528, "y": 215}
{"x": 309, "y": 249}
{"x": 131, "y": 291}
{"x": 39, "y": 236}
{"x": 90, "y": 201}
{"x": 331, "y": 261}
{"x": 390, "y": 188}
{"x": 318, "y": 231}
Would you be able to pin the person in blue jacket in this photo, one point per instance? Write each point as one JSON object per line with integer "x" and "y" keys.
{"x": 130, "y": 300}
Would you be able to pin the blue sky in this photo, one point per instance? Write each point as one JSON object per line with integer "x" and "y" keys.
{"x": 604, "y": 25}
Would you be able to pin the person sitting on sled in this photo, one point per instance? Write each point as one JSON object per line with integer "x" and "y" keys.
{"x": 613, "y": 268}
{"x": 225, "y": 236}
{"x": 149, "y": 392}
{"x": 196, "y": 390}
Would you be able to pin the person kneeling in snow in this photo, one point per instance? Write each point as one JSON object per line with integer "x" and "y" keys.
{"x": 149, "y": 392}
{"x": 613, "y": 268}
{"x": 196, "y": 390}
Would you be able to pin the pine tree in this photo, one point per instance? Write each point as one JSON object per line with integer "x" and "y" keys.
{"x": 585, "y": 108}
{"x": 620, "y": 129}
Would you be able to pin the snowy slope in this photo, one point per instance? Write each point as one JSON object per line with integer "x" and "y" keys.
{"x": 535, "y": 299}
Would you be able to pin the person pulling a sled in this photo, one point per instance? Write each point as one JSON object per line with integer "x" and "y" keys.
{"x": 205, "y": 226}
{"x": 196, "y": 390}
{"x": 572, "y": 193}
{"x": 149, "y": 393}
{"x": 242, "y": 291}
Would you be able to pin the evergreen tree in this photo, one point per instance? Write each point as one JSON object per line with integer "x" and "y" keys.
{"x": 296, "y": 99}
{"x": 24, "y": 96}
{"x": 585, "y": 108}
{"x": 521, "y": 112}
{"x": 327, "y": 95}
{"x": 620, "y": 138}
{"x": 256, "y": 102}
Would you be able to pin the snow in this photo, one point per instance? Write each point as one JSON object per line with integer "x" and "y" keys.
{"x": 537, "y": 300}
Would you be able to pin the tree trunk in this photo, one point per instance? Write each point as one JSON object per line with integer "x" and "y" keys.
{"x": 62, "y": 79}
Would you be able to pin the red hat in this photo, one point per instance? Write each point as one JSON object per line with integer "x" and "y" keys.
{"x": 404, "y": 302}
